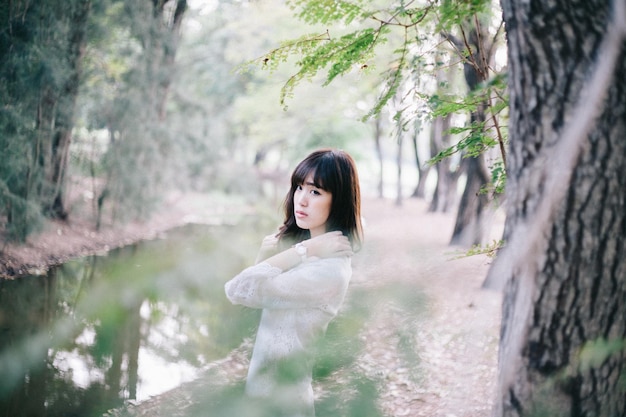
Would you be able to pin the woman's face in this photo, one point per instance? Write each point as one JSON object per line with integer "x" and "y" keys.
{"x": 311, "y": 206}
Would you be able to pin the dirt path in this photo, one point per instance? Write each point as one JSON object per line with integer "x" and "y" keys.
{"x": 456, "y": 342}
{"x": 432, "y": 338}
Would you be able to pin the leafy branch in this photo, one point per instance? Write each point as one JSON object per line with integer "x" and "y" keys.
{"x": 326, "y": 11}
{"x": 489, "y": 249}
{"x": 278, "y": 55}
{"x": 342, "y": 54}
{"x": 475, "y": 141}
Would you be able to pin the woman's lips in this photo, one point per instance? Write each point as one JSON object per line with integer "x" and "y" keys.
{"x": 300, "y": 214}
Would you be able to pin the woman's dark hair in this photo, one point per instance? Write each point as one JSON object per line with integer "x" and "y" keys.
{"x": 333, "y": 171}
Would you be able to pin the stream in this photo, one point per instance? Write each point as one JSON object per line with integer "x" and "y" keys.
{"x": 126, "y": 325}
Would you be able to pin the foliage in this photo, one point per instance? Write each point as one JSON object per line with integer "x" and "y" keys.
{"x": 259, "y": 128}
{"x": 37, "y": 70}
{"x": 321, "y": 51}
{"x": 411, "y": 30}
{"x": 148, "y": 123}
{"x": 124, "y": 73}
{"x": 454, "y": 13}
{"x": 342, "y": 54}
{"x": 327, "y": 11}
{"x": 489, "y": 249}
{"x": 596, "y": 352}
{"x": 135, "y": 114}
{"x": 16, "y": 203}
{"x": 477, "y": 136}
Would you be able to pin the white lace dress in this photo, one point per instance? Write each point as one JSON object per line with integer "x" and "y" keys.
{"x": 297, "y": 306}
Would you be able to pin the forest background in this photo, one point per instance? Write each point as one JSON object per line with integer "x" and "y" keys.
{"x": 124, "y": 101}
{"x": 111, "y": 105}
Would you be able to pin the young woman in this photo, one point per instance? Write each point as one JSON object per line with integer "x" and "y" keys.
{"x": 300, "y": 279}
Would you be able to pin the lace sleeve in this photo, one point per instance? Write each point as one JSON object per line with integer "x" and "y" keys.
{"x": 244, "y": 287}
{"x": 311, "y": 284}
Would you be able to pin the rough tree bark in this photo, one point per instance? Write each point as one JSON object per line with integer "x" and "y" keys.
{"x": 563, "y": 344}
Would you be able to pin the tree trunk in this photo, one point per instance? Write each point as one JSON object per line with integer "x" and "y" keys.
{"x": 445, "y": 188}
{"x": 64, "y": 118}
{"x": 379, "y": 154}
{"x": 399, "y": 141}
{"x": 470, "y": 224}
{"x": 471, "y": 220}
{"x": 40, "y": 61}
{"x": 444, "y": 196}
{"x": 563, "y": 344}
{"x": 422, "y": 169}
{"x": 143, "y": 127}
{"x": 170, "y": 47}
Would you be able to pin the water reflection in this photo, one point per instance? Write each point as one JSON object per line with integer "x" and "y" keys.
{"x": 97, "y": 332}
{"x": 101, "y": 330}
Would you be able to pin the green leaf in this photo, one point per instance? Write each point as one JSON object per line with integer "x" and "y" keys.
{"x": 595, "y": 352}
{"x": 498, "y": 179}
{"x": 341, "y": 54}
{"x": 354, "y": 48}
{"x": 454, "y": 13}
{"x": 326, "y": 11}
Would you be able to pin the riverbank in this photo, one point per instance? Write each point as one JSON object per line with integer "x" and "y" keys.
{"x": 429, "y": 345}
{"x": 428, "y": 334}
{"x": 60, "y": 241}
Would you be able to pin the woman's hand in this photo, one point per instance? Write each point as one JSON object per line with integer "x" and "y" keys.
{"x": 329, "y": 245}
{"x": 269, "y": 247}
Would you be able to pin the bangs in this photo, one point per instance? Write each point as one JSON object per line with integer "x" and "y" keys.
{"x": 316, "y": 167}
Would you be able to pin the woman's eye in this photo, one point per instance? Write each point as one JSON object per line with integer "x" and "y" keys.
{"x": 315, "y": 192}
{"x": 299, "y": 187}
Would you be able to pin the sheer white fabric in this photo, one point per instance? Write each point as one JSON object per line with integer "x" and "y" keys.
{"x": 297, "y": 306}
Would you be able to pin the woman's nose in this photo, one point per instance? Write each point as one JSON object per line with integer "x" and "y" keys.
{"x": 302, "y": 199}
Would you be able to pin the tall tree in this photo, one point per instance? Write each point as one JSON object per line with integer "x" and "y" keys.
{"x": 140, "y": 136}
{"x": 422, "y": 168}
{"x": 444, "y": 195}
{"x": 64, "y": 105}
{"x": 469, "y": 228}
{"x": 379, "y": 155}
{"x": 41, "y": 52}
{"x": 563, "y": 344}
{"x": 405, "y": 28}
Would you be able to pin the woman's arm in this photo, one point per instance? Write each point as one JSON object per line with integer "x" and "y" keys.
{"x": 328, "y": 245}
{"x": 316, "y": 284}
{"x": 275, "y": 283}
